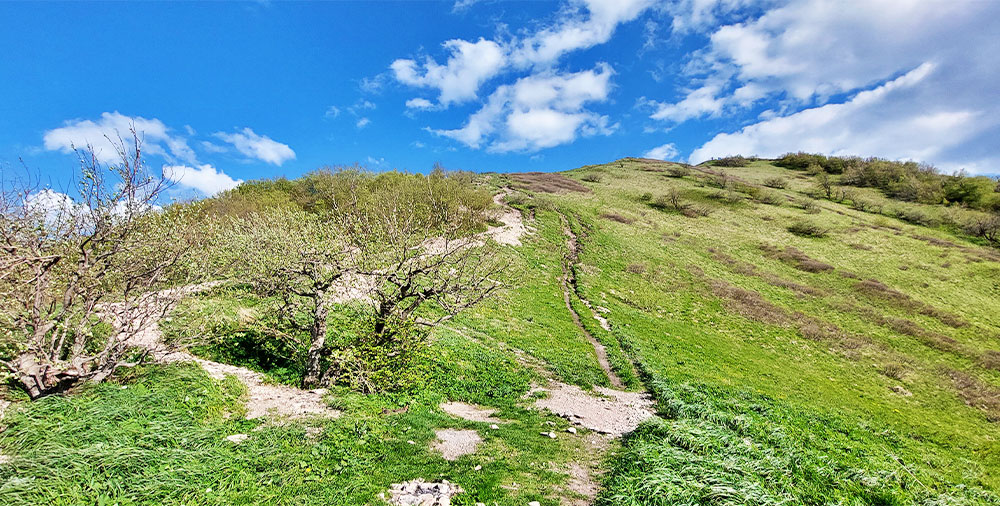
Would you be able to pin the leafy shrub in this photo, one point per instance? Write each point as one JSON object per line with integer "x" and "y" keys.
{"x": 806, "y": 228}
{"x": 985, "y": 226}
{"x": 646, "y": 197}
{"x": 916, "y": 216}
{"x": 592, "y": 177}
{"x": 730, "y": 161}
{"x": 770, "y": 198}
{"x": 808, "y": 205}
{"x": 776, "y": 182}
{"x": 678, "y": 171}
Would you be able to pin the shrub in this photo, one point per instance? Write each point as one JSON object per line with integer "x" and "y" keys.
{"x": 678, "y": 171}
{"x": 646, "y": 197}
{"x": 807, "y": 229}
{"x": 730, "y": 161}
{"x": 985, "y": 226}
{"x": 776, "y": 182}
{"x": 808, "y": 205}
{"x": 770, "y": 198}
{"x": 592, "y": 177}
{"x": 916, "y": 216}
{"x": 894, "y": 371}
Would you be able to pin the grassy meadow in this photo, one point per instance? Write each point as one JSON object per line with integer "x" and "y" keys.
{"x": 855, "y": 361}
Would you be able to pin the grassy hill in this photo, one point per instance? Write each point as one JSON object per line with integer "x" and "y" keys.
{"x": 800, "y": 347}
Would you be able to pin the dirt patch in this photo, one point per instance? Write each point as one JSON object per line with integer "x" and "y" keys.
{"x": 453, "y": 443}
{"x": 618, "y": 218}
{"x": 547, "y": 182}
{"x": 469, "y": 412}
{"x": 419, "y": 492}
{"x": 513, "y": 223}
{"x": 613, "y": 412}
{"x": 262, "y": 398}
{"x": 568, "y": 280}
{"x": 748, "y": 269}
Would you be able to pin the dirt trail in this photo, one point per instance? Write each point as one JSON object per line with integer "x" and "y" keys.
{"x": 263, "y": 399}
{"x": 568, "y": 279}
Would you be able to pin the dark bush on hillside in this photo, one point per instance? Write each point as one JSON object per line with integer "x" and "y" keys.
{"x": 894, "y": 371}
{"x": 866, "y": 205}
{"x": 592, "y": 177}
{"x": 807, "y": 229}
{"x": 730, "y": 161}
{"x": 776, "y": 182}
{"x": 770, "y": 198}
{"x": 678, "y": 171}
{"x": 636, "y": 268}
{"x": 646, "y": 197}
{"x": 916, "y": 216}
{"x": 808, "y": 205}
{"x": 985, "y": 226}
{"x": 802, "y": 161}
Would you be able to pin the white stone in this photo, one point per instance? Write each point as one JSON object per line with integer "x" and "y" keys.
{"x": 237, "y": 438}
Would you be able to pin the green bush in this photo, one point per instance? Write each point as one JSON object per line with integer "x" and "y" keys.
{"x": 730, "y": 161}
{"x": 806, "y": 228}
{"x": 776, "y": 182}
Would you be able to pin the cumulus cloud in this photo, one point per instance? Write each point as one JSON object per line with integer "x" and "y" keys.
{"x": 542, "y": 109}
{"x": 419, "y": 103}
{"x": 817, "y": 62}
{"x": 261, "y": 147}
{"x": 113, "y": 129}
{"x": 458, "y": 80}
{"x": 363, "y": 122}
{"x": 576, "y": 30}
{"x": 205, "y": 178}
{"x": 855, "y": 126}
{"x": 664, "y": 152}
{"x": 537, "y": 112}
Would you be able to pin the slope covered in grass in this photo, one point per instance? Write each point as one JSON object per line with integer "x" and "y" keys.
{"x": 800, "y": 351}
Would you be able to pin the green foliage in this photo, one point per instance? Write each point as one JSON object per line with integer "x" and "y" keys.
{"x": 730, "y": 161}
{"x": 806, "y": 228}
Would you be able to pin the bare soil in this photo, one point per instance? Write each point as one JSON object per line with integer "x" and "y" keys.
{"x": 613, "y": 412}
{"x": 453, "y": 443}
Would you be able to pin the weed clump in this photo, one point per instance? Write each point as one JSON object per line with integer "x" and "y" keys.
{"x": 592, "y": 177}
{"x": 796, "y": 258}
{"x": 677, "y": 171}
{"x": 776, "y": 182}
{"x": 806, "y": 228}
{"x": 618, "y": 218}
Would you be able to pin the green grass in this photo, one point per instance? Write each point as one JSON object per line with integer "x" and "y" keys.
{"x": 752, "y": 410}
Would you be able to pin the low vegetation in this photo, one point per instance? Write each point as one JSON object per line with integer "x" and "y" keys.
{"x": 813, "y": 337}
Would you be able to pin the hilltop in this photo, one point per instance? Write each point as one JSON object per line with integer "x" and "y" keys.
{"x": 806, "y": 330}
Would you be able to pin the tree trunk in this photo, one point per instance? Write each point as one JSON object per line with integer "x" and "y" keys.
{"x": 318, "y": 340}
{"x": 39, "y": 380}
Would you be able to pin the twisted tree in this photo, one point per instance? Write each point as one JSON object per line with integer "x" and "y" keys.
{"x": 78, "y": 277}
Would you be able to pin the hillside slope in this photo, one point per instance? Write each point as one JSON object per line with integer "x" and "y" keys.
{"x": 852, "y": 361}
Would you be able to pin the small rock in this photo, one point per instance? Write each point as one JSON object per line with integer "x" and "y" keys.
{"x": 534, "y": 503}
{"x": 551, "y": 435}
{"x": 494, "y": 426}
{"x": 478, "y": 468}
{"x": 411, "y": 443}
{"x": 237, "y": 438}
{"x": 571, "y": 430}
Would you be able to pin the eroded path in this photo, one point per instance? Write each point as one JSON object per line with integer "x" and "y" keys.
{"x": 262, "y": 398}
{"x": 568, "y": 280}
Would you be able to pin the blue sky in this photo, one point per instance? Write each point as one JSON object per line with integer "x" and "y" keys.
{"x": 230, "y": 91}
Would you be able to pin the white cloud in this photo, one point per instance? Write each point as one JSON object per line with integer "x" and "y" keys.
{"x": 55, "y": 206}
{"x": 461, "y": 5}
{"x": 857, "y": 126}
{"x": 538, "y": 112}
{"x": 816, "y": 62}
{"x": 261, "y": 147}
{"x": 574, "y": 31}
{"x": 113, "y": 129}
{"x": 363, "y": 122}
{"x": 332, "y": 111}
{"x": 204, "y": 178}
{"x": 419, "y": 103}
{"x": 664, "y": 152}
{"x": 469, "y": 65}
